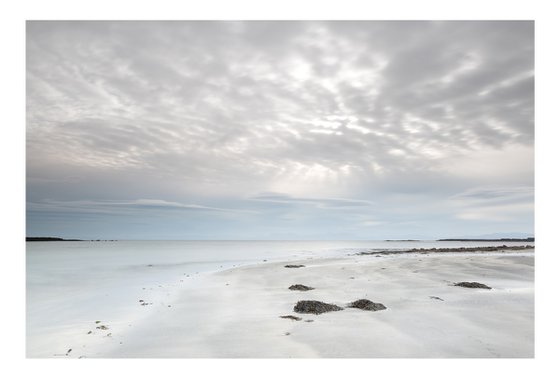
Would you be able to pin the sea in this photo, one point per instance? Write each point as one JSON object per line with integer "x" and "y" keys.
{"x": 72, "y": 283}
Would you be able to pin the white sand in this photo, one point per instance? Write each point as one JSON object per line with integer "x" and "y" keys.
{"x": 235, "y": 313}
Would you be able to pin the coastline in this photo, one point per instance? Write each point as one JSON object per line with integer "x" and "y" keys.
{"x": 236, "y": 312}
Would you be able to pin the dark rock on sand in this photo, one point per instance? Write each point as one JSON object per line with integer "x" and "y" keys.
{"x": 295, "y": 318}
{"x": 315, "y": 307}
{"x": 472, "y": 285}
{"x": 102, "y": 327}
{"x": 436, "y": 298}
{"x": 367, "y": 305}
{"x": 300, "y": 287}
{"x": 294, "y": 266}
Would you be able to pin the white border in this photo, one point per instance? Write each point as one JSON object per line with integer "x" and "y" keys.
{"x": 13, "y": 168}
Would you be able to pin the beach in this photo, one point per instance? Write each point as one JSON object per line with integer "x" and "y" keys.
{"x": 236, "y": 312}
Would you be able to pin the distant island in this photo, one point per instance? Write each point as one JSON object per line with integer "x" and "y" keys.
{"x": 57, "y": 239}
{"x": 529, "y": 239}
{"x": 402, "y": 240}
{"x": 47, "y": 239}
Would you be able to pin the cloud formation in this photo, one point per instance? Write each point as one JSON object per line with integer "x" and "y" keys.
{"x": 256, "y": 115}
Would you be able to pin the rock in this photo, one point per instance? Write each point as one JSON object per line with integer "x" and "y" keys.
{"x": 295, "y": 318}
{"x": 89, "y": 332}
{"x": 472, "y": 285}
{"x": 300, "y": 287}
{"x": 367, "y": 305}
{"x": 436, "y": 298}
{"x": 309, "y": 320}
{"x": 447, "y": 250}
{"x": 315, "y": 307}
{"x": 102, "y": 327}
{"x": 294, "y": 266}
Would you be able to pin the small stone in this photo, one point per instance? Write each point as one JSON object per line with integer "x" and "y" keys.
{"x": 294, "y": 266}
{"x": 472, "y": 285}
{"x": 300, "y": 287}
{"x": 294, "y": 318}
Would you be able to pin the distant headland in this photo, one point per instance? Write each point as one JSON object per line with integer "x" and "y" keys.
{"x": 529, "y": 239}
{"x": 56, "y": 239}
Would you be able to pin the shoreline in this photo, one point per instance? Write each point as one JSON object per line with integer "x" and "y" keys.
{"x": 237, "y": 312}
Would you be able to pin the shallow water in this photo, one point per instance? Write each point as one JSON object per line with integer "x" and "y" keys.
{"x": 72, "y": 284}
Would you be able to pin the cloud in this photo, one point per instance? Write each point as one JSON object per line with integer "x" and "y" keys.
{"x": 495, "y": 203}
{"x": 319, "y": 202}
{"x": 213, "y": 112}
{"x": 116, "y": 206}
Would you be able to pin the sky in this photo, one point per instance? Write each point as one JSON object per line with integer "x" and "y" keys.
{"x": 280, "y": 130}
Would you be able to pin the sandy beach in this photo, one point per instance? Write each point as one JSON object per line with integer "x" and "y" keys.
{"x": 235, "y": 313}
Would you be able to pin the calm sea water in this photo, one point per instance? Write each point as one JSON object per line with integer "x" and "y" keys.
{"x": 69, "y": 284}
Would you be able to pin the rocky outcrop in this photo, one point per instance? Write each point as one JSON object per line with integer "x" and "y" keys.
{"x": 446, "y": 250}
{"x": 300, "y": 287}
{"x": 315, "y": 307}
{"x": 367, "y": 305}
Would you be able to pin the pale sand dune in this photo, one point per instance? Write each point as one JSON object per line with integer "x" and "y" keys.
{"x": 211, "y": 319}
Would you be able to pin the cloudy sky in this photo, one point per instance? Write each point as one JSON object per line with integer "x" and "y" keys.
{"x": 280, "y": 130}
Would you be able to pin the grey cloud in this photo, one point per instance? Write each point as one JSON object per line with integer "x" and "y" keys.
{"x": 494, "y": 195}
{"x": 212, "y": 112}
{"x": 495, "y": 203}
